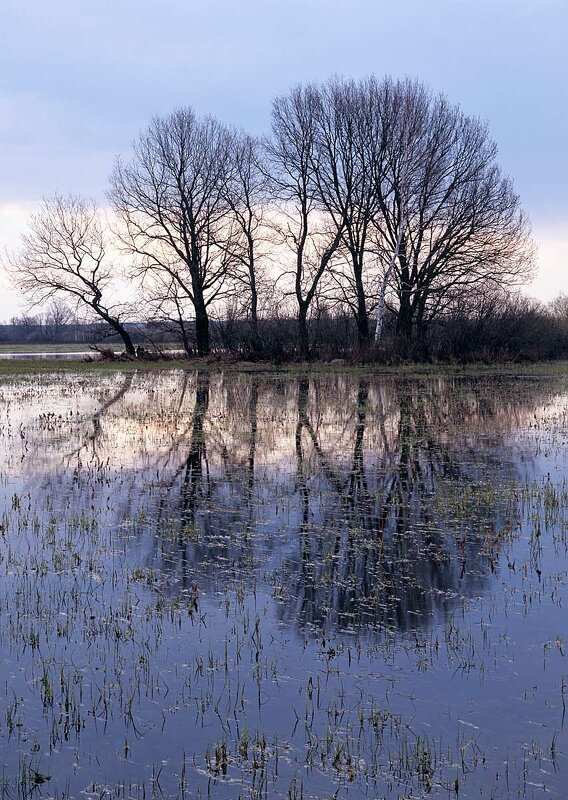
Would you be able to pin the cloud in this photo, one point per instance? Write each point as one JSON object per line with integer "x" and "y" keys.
{"x": 552, "y": 261}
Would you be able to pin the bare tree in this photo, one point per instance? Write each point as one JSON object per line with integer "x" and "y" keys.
{"x": 306, "y": 232}
{"x": 348, "y": 166}
{"x": 64, "y": 255}
{"x": 453, "y": 220}
{"x": 246, "y": 193}
{"x": 402, "y": 107}
{"x": 413, "y": 185}
{"x": 57, "y": 316}
{"x": 171, "y": 200}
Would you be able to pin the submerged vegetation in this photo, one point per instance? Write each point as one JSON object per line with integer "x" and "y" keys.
{"x": 284, "y": 584}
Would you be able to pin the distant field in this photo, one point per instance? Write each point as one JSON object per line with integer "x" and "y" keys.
{"x": 44, "y": 348}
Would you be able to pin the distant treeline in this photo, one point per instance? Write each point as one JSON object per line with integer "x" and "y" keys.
{"x": 502, "y": 328}
{"x": 35, "y": 330}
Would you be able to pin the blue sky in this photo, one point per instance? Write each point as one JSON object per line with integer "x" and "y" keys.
{"x": 78, "y": 80}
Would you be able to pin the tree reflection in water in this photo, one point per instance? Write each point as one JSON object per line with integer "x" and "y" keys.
{"x": 376, "y": 550}
{"x": 359, "y": 502}
{"x": 362, "y": 522}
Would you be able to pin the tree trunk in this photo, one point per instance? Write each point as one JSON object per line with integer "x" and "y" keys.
{"x": 422, "y": 344}
{"x": 184, "y": 339}
{"x": 382, "y": 305}
{"x": 121, "y": 330}
{"x": 201, "y": 327}
{"x": 386, "y": 278}
{"x": 303, "y": 336}
{"x": 362, "y": 322}
{"x": 254, "y": 308}
{"x": 361, "y": 316}
{"x": 128, "y": 343}
{"x": 404, "y": 318}
{"x": 255, "y": 336}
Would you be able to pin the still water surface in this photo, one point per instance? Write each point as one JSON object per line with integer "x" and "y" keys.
{"x": 231, "y": 586}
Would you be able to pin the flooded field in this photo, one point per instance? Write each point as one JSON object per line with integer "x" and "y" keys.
{"x": 248, "y": 586}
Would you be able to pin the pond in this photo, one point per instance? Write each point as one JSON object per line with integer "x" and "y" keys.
{"x": 224, "y": 585}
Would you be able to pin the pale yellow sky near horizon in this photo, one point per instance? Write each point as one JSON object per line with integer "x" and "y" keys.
{"x": 551, "y": 239}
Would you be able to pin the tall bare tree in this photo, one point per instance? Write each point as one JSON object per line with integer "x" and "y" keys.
{"x": 309, "y": 237}
{"x": 64, "y": 256}
{"x": 462, "y": 224}
{"x": 171, "y": 200}
{"x": 247, "y": 236}
{"x": 413, "y": 185}
{"x": 348, "y": 157}
{"x": 402, "y": 108}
